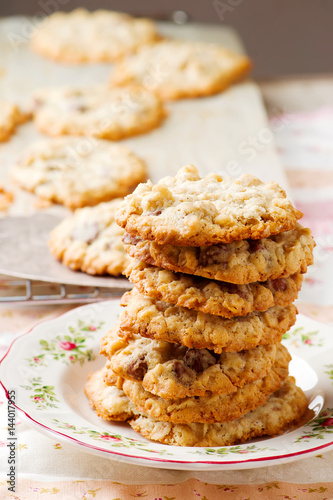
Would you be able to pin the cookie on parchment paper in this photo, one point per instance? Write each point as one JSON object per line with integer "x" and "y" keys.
{"x": 78, "y": 172}
{"x": 176, "y": 69}
{"x": 188, "y": 210}
{"x": 106, "y": 113}
{"x": 174, "y": 371}
{"x": 81, "y": 36}
{"x": 10, "y": 117}
{"x": 213, "y": 407}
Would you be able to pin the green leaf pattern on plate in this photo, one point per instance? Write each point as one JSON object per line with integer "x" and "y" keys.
{"x": 232, "y": 449}
{"x": 299, "y": 336}
{"x": 42, "y": 395}
{"x": 113, "y": 440}
{"x": 319, "y": 427}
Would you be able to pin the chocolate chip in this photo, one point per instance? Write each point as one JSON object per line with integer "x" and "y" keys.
{"x": 75, "y": 106}
{"x": 198, "y": 359}
{"x": 86, "y": 233}
{"x": 157, "y": 212}
{"x": 130, "y": 239}
{"x": 280, "y": 284}
{"x": 214, "y": 255}
{"x": 255, "y": 245}
{"x": 138, "y": 368}
{"x": 243, "y": 292}
{"x": 179, "y": 368}
{"x": 81, "y": 108}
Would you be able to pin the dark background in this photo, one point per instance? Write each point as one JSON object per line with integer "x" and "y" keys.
{"x": 284, "y": 37}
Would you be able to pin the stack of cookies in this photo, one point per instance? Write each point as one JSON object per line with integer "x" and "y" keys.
{"x": 195, "y": 359}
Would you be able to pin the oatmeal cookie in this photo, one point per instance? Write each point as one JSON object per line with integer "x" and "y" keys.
{"x": 78, "y": 172}
{"x": 238, "y": 262}
{"x": 108, "y": 401}
{"x": 97, "y": 111}
{"x": 90, "y": 241}
{"x": 281, "y": 411}
{"x": 213, "y": 407}
{"x": 176, "y": 69}
{"x": 81, "y": 36}
{"x": 174, "y": 371}
{"x": 187, "y": 210}
{"x": 161, "y": 321}
{"x": 213, "y": 297}
{"x": 10, "y": 117}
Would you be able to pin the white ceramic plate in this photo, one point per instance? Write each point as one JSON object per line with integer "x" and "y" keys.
{"x": 48, "y": 367}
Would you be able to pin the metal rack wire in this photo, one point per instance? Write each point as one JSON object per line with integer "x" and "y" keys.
{"x": 25, "y": 291}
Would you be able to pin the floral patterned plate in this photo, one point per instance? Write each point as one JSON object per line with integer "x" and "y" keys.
{"x": 49, "y": 365}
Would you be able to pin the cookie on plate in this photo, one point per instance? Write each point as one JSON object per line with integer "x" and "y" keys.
{"x": 78, "y": 171}
{"x": 10, "y": 117}
{"x": 161, "y": 321}
{"x": 90, "y": 240}
{"x": 239, "y": 262}
{"x": 81, "y": 36}
{"x": 213, "y": 407}
{"x": 212, "y": 297}
{"x": 108, "y": 401}
{"x": 176, "y": 69}
{"x": 281, "y": 411}
{"x": 174, "y": 371}
{"x": 188, "y": 210}
{"x": 97, "y": 111}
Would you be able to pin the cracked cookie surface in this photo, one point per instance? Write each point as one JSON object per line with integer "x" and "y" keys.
{"x": 78, "y": 172}
{"x": 174, "y": 371}
{"x": 102, "y": 112}
{"x": 238, "y": 262}
{"x": 281, "y": 410}
{"x": 213, "y": 407}
{"x": 213, "y": 297}
{"x": 161, "y": 321}
{"x": 188, "y": 210}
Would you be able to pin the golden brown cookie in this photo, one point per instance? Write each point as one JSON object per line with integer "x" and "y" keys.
{"x": 10, "y": 117}
{"x": 212, "y": 297}
{"x": 280, "y": 412}
{"x": 81, "y": 36}
{"x": 238, "y": 262}
{"x": 97, "y": 111}
{"x": 78, "y": 172}
{"x": 90, "y": 241}
{"x": 188, "y": 210}
{"x": 161, "y": 321}
{"x": 175, "y": 68}
{"x": 108, "y": 401}
{"x": 173, "y": 371}
{"x": 213, "y": 407}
